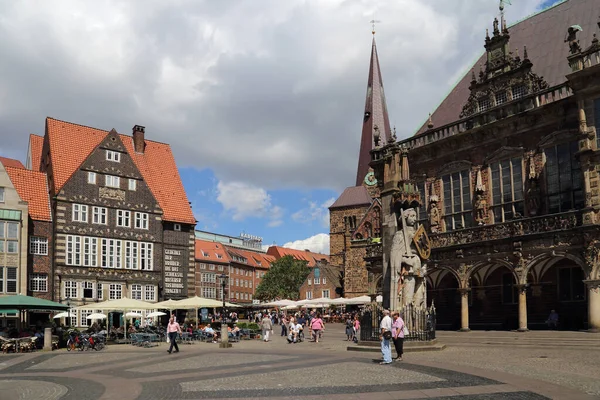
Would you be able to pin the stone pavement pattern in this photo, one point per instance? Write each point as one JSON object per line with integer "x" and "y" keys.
{"x": 275, "y": 370}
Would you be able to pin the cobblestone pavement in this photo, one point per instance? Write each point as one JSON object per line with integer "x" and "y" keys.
{"x": 276, "y": 370}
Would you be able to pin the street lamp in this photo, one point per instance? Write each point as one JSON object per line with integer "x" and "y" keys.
{"x": 69, "y": 311}
{"x": 224, "y": 334}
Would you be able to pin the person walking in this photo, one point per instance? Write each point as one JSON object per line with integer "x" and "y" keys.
{"x": 349, "y": 328}
{"x": 398, "y": 334}
{"x": 267, "y": 327}
{"x": 173, "y": 329}
{"x": 316, "y": 325}
{"x": 386, "y": 335}
{"x": 356, "y": 328}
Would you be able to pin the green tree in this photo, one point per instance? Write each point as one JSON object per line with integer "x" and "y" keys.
{"x": 283, "y": 280}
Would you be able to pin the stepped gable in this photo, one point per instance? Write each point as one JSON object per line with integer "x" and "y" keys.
{"x": 156, "y": 164}
{"x": 10, "y": 162}
{"x": 34, "y": 155}
{"x": 304, "y": 255}
{"x": 207, "y": 251}
{"x": 32, "y": 187}
{"x": 352, "y": 196}
{"x": 543, "y": 34}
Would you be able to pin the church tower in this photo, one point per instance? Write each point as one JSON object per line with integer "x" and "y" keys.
{"x": 376, "y": 122}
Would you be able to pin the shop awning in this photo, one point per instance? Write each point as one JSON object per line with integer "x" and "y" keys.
{"x": 22, "y": 302}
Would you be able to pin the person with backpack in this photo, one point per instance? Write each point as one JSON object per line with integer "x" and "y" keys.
{"x": 349, "y": 328}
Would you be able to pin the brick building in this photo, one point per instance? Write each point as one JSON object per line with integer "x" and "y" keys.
{"x": 507, "y": 171}
{"x": 122, "y": 222}
{"x": 324, "y": 279}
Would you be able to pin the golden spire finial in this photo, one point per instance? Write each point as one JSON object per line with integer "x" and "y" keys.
{"x": 373, "y": 22}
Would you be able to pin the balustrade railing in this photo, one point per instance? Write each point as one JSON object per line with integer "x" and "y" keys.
{"x": 534, "y": 100}
{"x": 520, "y": 227}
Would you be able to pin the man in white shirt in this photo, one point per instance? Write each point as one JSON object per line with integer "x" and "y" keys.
{"x": 385, "y": 337}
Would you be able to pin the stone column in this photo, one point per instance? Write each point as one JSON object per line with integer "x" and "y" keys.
{"x": 48, "y": 339}
{"x": 522, "y": 308}
{"x": 593, "y": 305}
{"x": 464, "y": 309}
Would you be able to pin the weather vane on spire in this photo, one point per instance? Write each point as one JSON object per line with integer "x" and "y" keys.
{"x": 373, "y": 22}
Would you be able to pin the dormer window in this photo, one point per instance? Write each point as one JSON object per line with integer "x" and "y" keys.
{"x": 113, "y": 156}
{"x": 219, "y": 256}
{"x": 177, "y": 227}
{"x": 501, "y": 98}
{"x": 483, "y": 104}
{"x": 518, "y": 91}
{"x": 205, "y": 254}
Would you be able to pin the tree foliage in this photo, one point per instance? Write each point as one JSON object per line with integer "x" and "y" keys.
{"x": 283, "y": 280}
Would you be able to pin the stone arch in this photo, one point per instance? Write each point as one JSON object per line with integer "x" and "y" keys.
{"x": 493, "y": 264}
{"x": 448, "y": 270}
{"x": 552, "y": 258}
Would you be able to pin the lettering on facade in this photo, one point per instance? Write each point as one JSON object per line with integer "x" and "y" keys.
{"x": 112, "y": 194}
{"x": 174, "y": 277}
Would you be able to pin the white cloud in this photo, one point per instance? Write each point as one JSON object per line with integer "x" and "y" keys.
{"x": 314, "y": 212}
{"x": 244, "y": 200}
{"x": 318, "y": 243}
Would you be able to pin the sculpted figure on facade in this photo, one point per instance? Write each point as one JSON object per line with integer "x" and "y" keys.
{"x": 435, "y": 218}
{"x": 408, "y": 272}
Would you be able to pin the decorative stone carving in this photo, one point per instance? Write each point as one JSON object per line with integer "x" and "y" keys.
{"x": 112, "y": 194}
{"x": 480, "y": 202}
{"x": 435, "y": 217}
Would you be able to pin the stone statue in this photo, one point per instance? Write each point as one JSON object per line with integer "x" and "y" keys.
{"x": 480, "y": 204}
{"x": 408, "y": 275}
{"x": 435, "y": 219}
{"x": 533, "y": 198}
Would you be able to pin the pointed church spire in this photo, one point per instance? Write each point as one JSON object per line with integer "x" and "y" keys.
{"x": 376, "y": 114}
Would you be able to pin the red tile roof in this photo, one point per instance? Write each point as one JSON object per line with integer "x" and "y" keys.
{"x": 156, "y": 164}
{"x": 36, "y": 143}
{"x": 303, "y": 255}
{"x": 544, "y": 35}
{"x": 207, "y": 252}
{"x": 9, "y": 162}
{"x": 352, "y": 196}
{"x": 32, "y": 187}
{"x": 254, "y": 258}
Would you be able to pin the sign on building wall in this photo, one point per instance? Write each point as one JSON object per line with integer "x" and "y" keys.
{"x": 175, "y": 282}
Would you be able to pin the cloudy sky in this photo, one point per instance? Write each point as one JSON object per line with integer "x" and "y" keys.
{"x": 261, "y": 100}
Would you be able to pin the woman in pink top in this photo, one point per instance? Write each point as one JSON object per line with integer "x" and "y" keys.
{"x": 356, "y": 328}
{"x": 398, "y": 334}
{"x": 316, "y": 325}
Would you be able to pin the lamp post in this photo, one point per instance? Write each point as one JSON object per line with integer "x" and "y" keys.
{"x": 224, "y": 333}
{"x": 69, "y": 311}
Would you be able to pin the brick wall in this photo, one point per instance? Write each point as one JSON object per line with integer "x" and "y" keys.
{"x": 40, "y": 264}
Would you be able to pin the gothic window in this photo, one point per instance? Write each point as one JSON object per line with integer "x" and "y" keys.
{"x": 501, "y": 97}
{"x": 457, "y": 201}
{"x": 507, "y": 189}
{"x": 483, "y": 104}
{"x": 597, "y": 121}
{"x": 518, "y": 91}
{"x": 422, "y": 211}
{"x": 564, "y": 183}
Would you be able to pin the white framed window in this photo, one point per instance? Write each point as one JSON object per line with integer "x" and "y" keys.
{"x": 202, "y": 266}
{"x": 84, "y": 317}
{"x": 1, "y": 195}
{"x": 38, "y": 246}
{"x": 146, "y": 258}
{"x": 113, "y": 156}
{"x": 177, "y": 227}
{"x": 100, "y": 291}
{"x": 124, "y": 218}
{"x": 74, "y": 318}
{"x": 211, "y": 267}
{"x": 209, "y": 292}
{"x": 99, "y": 215}
{"x": 237, "y": 282}
{"x": 326, "y": 293}
{"x": 308, "y": 294}
{"x": 82, "y": 251}
{"x": 141, "y": 220}
{"x": 457, "y": 200}
{"x": 80, "y": 213}
{"x": 73, "y": 250}
{"x": 88, "y": 290}
{"x": 12, "y": 246}
{"x": 220, "y": 268}
{"x": 132, "y": 184}
{"x": 219, "y": 256}
{"x": 91, "y": 178}
{"x": 131, "y": 255}
{"x": 205, "y": 253}
{"x": 38, "y": 282}
{"x": 324, "y": 281}
{"x": 71, "y": 289}
{"x": 112, "y": 181}
{"x": 317, "y": 281}
{"x": 111, "y": 253}
{"x": 251, "y": 284}
{"x": 136, "y": 292}
{"x": 115, "y": 291}
{"x": 90, "y": 252}
{"x": 150, "y": 293}
{"x": 11, "y": 279}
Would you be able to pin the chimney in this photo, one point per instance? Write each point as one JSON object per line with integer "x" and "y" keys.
{"x": 138, "y": 138}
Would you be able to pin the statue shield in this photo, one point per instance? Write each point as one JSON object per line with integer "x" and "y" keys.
{"x": 422, "y": 243}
